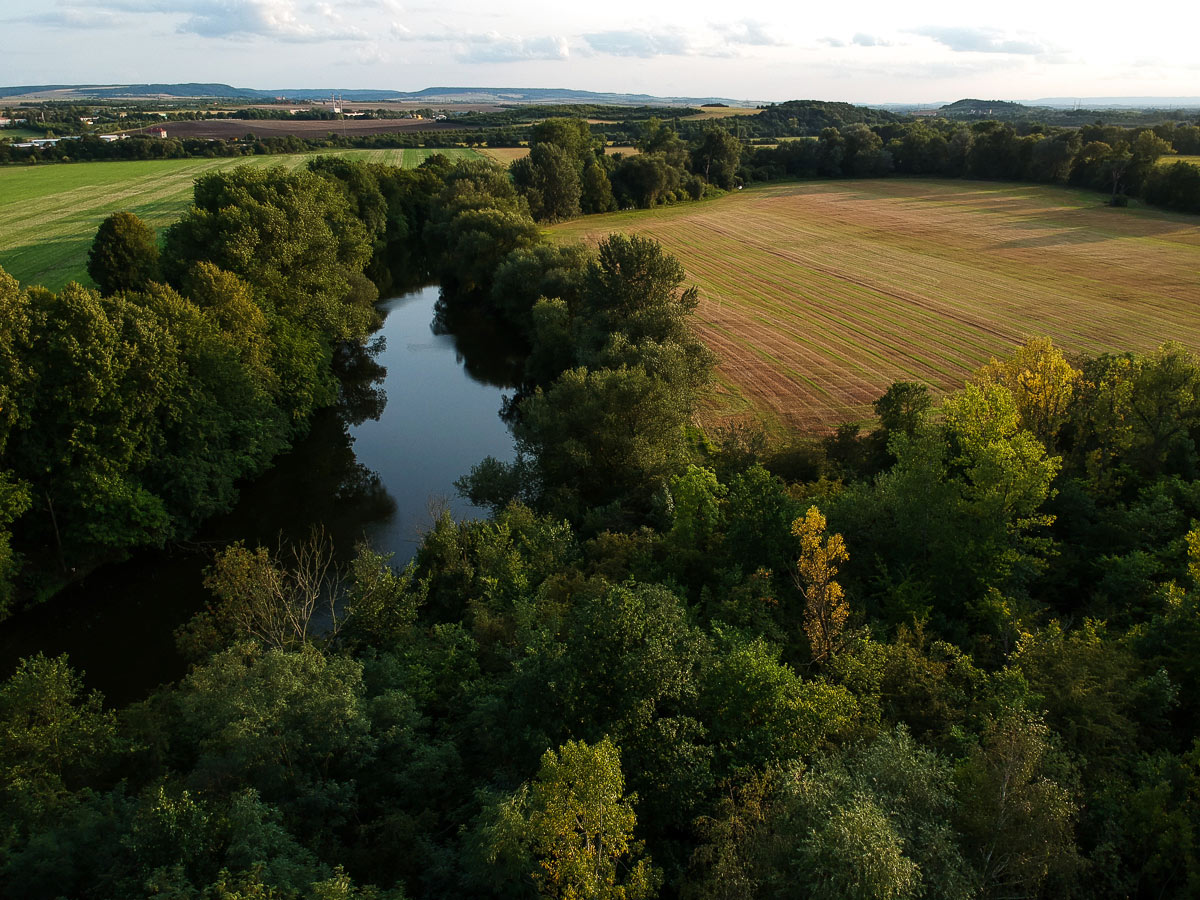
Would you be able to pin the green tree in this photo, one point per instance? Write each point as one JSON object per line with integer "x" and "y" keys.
{"x": 1017, "y": 821}
{"x": 903, "y": 407}
{"x": 53, "y": 736}
{"x": 124, "y": 254}
{"x": 549, "y": 179}
{"x": 572, "y": 829}
{"x": 717, "y": 157}
{"x": 292, "y": 236}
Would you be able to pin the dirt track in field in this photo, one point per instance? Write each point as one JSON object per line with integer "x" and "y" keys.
{"x": 816, "y": 296}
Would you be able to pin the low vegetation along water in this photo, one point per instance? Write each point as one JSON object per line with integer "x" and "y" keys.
{"x": 418, "y": 410}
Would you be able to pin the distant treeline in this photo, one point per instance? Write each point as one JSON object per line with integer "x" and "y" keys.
{"x": 90, "y": 148}
{"x": 1123, "y": 162}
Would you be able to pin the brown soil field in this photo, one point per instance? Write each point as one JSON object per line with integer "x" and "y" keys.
{"x": 227, "y": 129}
{"x": 816, "y": 296}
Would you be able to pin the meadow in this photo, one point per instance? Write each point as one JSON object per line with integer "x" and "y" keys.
{"x": 49, "y": 213}
{"x": 817, "y": 295}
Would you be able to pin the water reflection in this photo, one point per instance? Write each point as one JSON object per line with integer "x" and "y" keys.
{"x": 417, "y": 407}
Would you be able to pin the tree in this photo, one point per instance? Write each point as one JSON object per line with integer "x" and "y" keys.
{"x": 717, "y": 157}
{"x": 903, "y": 407}
{"x": 1041, "y": 381}
{"x": 52, "y": 735}
{"x": 641, "y": 180}
{"x": 124, "y": 254}
{"x": 571, "y": 829}
{"x": 603, "y": 436}
{"x": 549, "y": 179}
{"x": 292, "y": 236}
{"x": 1018, "y": 822}
{"x": 825, "y": 610}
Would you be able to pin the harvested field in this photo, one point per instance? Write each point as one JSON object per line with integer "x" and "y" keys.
{"x": 816, "y": 296}
{"x": 506, "y": 155}
{"x": 49, "y": 213}
{"x": 229, "y": 129}
{"x": 723, "y": 112}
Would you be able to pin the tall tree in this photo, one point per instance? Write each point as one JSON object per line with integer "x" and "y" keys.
{"x": 124, "y": 254}
{"x": 574, "y": 824}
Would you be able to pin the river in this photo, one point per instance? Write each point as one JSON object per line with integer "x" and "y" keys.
{"x": 417, "y": 411}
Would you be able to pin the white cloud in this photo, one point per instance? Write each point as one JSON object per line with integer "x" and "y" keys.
{"x": 869, "y": 40}
{"x": 499, "y": 48}
{"x": 981, "y": 40}
{"x": 749, "y": 32}
{"x": 642, "y": 44}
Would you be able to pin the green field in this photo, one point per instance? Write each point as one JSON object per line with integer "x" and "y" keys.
{"x": 49, "y": 213}
{"x": 817, "y": 295}
{"x": 1171, "y": 160}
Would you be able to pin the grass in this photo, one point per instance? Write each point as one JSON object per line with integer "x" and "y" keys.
{"x": 817, "y": 295}
{"x": 1171, "y": 160}
{"x": 49, "y": 213}
{"x": 19, "y": 134}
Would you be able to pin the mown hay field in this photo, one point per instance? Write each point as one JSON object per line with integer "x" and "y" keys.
{"x": 49, "y": 213}
{"x": 508, "y": 155}
{"x": 818, "y": 295}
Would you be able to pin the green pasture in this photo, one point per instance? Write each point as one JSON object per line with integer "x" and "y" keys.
{"x": 49, "y": 213}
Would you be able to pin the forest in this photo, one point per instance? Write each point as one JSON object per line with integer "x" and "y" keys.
{"x": 956, "y": 655}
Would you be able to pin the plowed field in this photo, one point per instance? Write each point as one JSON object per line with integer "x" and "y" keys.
{"x": 816, "y": 296}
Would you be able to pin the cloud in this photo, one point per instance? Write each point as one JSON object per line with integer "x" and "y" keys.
{"x": 72, "y": 18}
{"x": 750, "y": 32}
{"x": 489, "y": 47}
{"x": 498, "y": 48}
{"x": 832, "y": 42}
{"x": 240, "y": 19}
{"x": 980, "y": 40}
{"x": 869, "y": 40}
{"x": 642, "y": 44}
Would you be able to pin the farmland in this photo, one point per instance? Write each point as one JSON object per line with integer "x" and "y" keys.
{"x": 816, "y": 296}
{"x": 49, "y": 214}
{"x": 227, "y": 129}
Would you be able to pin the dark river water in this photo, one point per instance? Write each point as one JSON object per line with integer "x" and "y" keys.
{"x": 417, "y": 411}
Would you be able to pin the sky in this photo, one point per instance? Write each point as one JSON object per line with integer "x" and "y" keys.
{"x": 866, "y": 51}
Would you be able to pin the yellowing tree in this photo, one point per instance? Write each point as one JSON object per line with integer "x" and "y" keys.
{"x": 1041, "y": 381}
{"x": 571, "y": 829}
{"x": 825, "y": 610}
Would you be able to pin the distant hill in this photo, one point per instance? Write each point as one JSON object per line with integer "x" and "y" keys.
{"x": 432, "y": 95}
{"x": 986, "y": 109}
{"x": 1119, "y": 102}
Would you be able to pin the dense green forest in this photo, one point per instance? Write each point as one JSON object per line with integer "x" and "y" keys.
{"x": 954, "y": 656}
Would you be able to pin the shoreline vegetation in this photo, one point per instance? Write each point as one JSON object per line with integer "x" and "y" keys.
{"x": 954, "y": 655}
